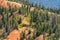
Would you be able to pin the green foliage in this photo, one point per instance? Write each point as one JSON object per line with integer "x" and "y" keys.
{"x": 41, "y": 21}
{"x": 2, "y": 9}
{"x": 14, "y": 22}
{"x": 0, "y": 25}
{"x": 20, "y": 21}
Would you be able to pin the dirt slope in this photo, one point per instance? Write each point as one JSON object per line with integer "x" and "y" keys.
{"x": 40, "y": 37}
{"x": 15, "y": 34}
{"x": 5, "y": 3}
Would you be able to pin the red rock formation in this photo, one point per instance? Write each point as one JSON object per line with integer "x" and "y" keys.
{"x": 40, "y": 37}
{"x": 4, "y": 3}
{"x": 14, "y": 35}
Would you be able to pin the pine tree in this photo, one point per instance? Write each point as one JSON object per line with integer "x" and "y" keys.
{"x": 19, "y": 21}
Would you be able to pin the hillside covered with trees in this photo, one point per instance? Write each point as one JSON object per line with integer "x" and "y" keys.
{"x": 28, "y": 21}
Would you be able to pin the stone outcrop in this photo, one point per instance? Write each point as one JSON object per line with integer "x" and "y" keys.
{"x": 5, "y": 3}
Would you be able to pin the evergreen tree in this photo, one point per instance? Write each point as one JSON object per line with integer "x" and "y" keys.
{"x": 19, "y": 21}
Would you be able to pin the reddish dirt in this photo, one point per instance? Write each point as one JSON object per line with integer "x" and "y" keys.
{"x": 40, "y": 37}
{"x": 15, "y": 34}
{"x": 25, "y": 22}
{"x": 5, "y": 3}
{"x": 13, "y": 4}
{"x": 32, "y": 9}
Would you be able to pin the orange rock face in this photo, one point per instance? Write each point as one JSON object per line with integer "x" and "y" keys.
{"x": 14, "y": 35}
{"x": 32, "y": 9}
{"x": 4, "y": 3}
{"x": 40, "y": 37}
